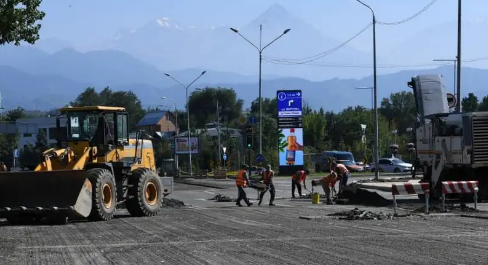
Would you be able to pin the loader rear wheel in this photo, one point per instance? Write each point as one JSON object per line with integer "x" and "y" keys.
{"x": 145, "y": 193}
{"x": 104, "y": 194}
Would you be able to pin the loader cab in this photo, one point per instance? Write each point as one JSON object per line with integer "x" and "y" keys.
{"x": 98, "y": 126}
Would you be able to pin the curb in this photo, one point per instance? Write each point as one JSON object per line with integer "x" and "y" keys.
{"x": 474, "y": 216}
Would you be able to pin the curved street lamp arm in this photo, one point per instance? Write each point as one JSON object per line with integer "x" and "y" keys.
{"x": 372, "y": 12}
{"x": 267, "y": 45}
{"x": 174, "y": 79}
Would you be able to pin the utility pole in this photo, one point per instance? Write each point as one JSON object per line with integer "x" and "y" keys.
{"x": 260, "y": 51}
{"x": 458, "y": 107}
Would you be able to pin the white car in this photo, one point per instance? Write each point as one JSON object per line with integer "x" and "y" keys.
{"x": 392, "y": 165}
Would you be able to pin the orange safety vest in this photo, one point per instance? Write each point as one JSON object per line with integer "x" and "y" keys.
{"x": 299, "y": 176}
{"x": 267, "y": 176}
{"x": 241, "y": 179}
{"x": 342, "y": 169}
{"x": 330, "y": 180}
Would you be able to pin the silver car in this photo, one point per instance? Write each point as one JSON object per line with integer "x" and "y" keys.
{"x": 390, "y": 165}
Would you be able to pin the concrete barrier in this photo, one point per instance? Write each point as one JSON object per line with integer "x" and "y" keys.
{"x": 220, "y": 173}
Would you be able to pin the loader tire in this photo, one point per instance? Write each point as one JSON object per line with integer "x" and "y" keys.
{"x": 104, "y": 194}
{"x": 145, "y": 193}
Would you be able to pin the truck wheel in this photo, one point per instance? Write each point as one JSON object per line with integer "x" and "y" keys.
{"x": 104, "y": 194}
{"x": 397, "y": 170}
{"x": 146, "y": 193}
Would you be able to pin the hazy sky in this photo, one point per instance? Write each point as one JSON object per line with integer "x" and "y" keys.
{"x": 83, "y": 20}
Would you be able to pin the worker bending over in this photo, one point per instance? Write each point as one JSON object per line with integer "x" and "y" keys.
{"x": 343, "y": 174}
{"x": 328, "y": 184}
{"x": 267, "y": 179}
{"x": 242, "y": 181}
{"x": 296, "y": 179}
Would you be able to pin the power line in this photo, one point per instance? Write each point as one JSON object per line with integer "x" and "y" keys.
{"x": 309, "y": 59}
{"x": 380, "y": 66}
{"x": 408, "y": 18}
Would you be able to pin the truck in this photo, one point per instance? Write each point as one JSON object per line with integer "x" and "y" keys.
{"x": 449, "y": 146}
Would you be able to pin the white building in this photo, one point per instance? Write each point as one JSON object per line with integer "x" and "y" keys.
{"x": 28, "y": 129}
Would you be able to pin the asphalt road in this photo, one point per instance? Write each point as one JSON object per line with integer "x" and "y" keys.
{"x": 209, "y": 232}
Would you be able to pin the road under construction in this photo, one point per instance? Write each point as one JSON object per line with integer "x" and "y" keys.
{"x": 295, "y": 231}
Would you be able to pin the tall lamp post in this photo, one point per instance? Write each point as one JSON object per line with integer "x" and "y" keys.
{"x": 176, "y": 127}
{"x": 375, "y": 122}
{"x": 375, "y": 91}
{"x": 187, "y": 112}
{"x": 260, "y": 50}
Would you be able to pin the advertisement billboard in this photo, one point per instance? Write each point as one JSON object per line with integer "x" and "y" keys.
{"x": 290, "y": 105}
{"x": 291, "y": 147}
{"x": 181, "y": 145}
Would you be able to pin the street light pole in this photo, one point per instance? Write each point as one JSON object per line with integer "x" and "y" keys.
{"x": 375, "y": 88}
{"x": 188, "y": 113}
{"x": 458, "y": 107}
{"x": 260, "y": 49}
{"x": 176, "y": 129}
{"x": 455, "y": 69}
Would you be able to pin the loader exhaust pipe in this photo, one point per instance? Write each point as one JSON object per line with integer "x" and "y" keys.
{"x": 45, "y": 193}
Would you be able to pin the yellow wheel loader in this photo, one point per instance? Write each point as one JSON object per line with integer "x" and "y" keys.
{"x": 95, "y": 168}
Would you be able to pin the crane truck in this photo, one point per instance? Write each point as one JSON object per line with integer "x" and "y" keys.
{"x": 450, "y": 146}
{"x": 94, "y": 169}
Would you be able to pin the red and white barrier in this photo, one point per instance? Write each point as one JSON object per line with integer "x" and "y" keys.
{"x": 408, "y": 188}
{"x": 459, "y": 187}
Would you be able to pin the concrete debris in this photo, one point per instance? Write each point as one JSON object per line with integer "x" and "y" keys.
{"x": 402, "y": 179}
{"x": 222, "y": 198}
{"x": 172, "y": 203}
{"x": 449, "y": 208}
{"x": 357, "y": 214}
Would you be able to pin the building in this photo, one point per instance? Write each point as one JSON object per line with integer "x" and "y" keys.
{"x": 163, "y": 121}
{"x": 29, "y": 128}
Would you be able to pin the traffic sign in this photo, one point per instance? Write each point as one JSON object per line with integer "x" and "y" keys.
{"x": 259, "y": 158}
{"x": 16, "y": 153}
{"x": 252, "y": 119}
{"x": 289, "y": 103}
{"x": 242, "y": 120}
{"x": 224, "y": 157}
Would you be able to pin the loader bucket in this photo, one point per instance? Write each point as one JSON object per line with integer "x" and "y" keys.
{"x": 44, "y": 193}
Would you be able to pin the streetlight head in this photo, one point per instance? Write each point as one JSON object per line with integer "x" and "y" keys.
{"x": 166, "y": 74}
{"x": 286, "y": 31}
{"x": 235, "y": 30}
{"x": 203, "y": 72}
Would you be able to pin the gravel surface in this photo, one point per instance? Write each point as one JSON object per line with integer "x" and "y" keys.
{"x": 248, "y": 235}
{"x": 357, "y": 214}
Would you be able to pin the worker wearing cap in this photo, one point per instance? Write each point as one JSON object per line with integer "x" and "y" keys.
{"x": 267, "y": 178}
{"x": 328, "y": 182}
{"x": 242, "y": 181}
{"x": 343, "y": 173}
{"x": 296, "y": 179}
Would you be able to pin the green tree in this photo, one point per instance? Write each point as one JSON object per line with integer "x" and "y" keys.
{"x": 19, "y": 21}
{"x": 483, "y": 106}
{"x": 107, "y": 97}
{"x": 470, "y": 103}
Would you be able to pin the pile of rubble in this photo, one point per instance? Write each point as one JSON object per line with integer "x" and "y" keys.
{"x": 172, "y": 203}
{"x": 402, "y": 179}
{"x": 357, "y": 214}
{"x": 222, "y": 198}
{"x": 449, "y": 208}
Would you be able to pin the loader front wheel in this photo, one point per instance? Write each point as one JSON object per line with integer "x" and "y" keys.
{"x": 104, "y": 194}
{"x": 145, "y": 193}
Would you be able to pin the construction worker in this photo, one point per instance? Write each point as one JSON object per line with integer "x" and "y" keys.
{"x": 296, "y": 179}
{"x": 328, "y": 184}
{"x": 267, "y": 179}
{"x": 343, "y": 174}
{"x": 242, "y": 181}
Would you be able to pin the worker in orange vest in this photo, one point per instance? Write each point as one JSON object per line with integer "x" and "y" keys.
{"x": 267, "y": 179}
{"x": 242, "y": 181}
{"x": 343, "y": 174}
{"x": 328, "y": 182}
{"x": 296, "y": 179}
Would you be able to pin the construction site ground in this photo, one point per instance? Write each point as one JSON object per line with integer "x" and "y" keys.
{"x": 295, "y": 231}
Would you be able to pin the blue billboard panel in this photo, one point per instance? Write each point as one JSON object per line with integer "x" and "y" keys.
{"x": 291, "y": 147}
{"x": 289, "y": 103}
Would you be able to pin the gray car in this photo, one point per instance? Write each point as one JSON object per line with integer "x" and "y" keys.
{"x": 392, "y": 165}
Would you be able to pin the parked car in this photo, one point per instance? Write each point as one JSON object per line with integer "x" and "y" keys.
{"x": 391, "y": 165}
{"x": 351, "y": 166}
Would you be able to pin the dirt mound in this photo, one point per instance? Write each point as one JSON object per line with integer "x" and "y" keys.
{"x": 172, "y": 203}
{"x": 357, "y": 214}
{"x": 222, "y": 198}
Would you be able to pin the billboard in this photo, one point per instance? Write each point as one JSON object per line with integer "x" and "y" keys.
{"x": 291, "y": 147}
{"x": 181, "y": 145}
{"x": 291, "y": 128}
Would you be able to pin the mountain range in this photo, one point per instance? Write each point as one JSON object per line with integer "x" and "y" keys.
{"x": 53, "y": 72}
